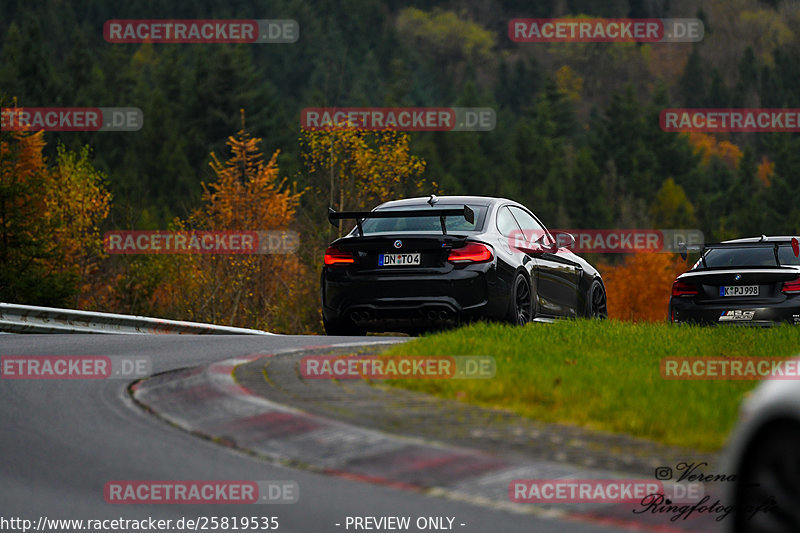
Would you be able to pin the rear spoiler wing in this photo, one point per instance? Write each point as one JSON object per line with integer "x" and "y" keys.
{"x": 359, "y": 216}
{"x": 755, "y": 244}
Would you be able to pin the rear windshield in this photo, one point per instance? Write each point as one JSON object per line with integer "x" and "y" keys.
{"x": 455, "y": 224}
{"x": 749, "y": 257}
{"x": 787, "y": 257}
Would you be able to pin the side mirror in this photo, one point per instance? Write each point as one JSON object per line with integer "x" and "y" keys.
{"x": 683, "y": 249}
{"x": 539, "y": 246}
{"x": 564, "y": 240}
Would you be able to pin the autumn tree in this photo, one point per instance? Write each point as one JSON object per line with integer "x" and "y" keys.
{"x": 76, "y": 205}
{"x": 262, "y": 291}
{"x": 671, "y": 207}
{"x": 25, "y": 251}
{"x": 709, "y": 147}
{"x": 357, "y": 169}
{"x": 447, "y": 38}
{"x": 49, "y": 221}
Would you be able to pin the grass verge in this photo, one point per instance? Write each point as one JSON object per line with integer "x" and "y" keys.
{"x": 605, "y": 374}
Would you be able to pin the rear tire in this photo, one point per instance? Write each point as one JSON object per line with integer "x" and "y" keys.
{"x": 340, "y": 328}
{"x": 597, "y": 306}
{"x": 520, "y": 308}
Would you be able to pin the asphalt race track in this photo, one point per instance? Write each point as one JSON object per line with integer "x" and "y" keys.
{"x": 62, "y": 440}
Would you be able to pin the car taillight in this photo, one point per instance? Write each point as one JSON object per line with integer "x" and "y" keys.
{"x": 791, "y": 287}
{"x": 472, "y": 252}
{"x": 681, "y": 288}
{"x": 334, "y": 256}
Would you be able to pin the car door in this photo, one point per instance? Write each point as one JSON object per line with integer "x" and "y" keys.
{"x": 557, "y": 277}
{"x": 512, "y": 233}
{"x": 509, "y": 230}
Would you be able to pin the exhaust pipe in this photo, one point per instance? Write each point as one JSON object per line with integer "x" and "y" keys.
{"x": 444, "y": 315}
{"x": 361, "y": 316}
{"x": 431, "y": 315}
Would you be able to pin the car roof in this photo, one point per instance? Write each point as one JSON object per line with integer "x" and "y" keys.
{"x": 474, "y": 200}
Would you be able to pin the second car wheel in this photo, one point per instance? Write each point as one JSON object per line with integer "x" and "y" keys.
{"x": 520, "y": 308}
{"x": 596, "y": 306}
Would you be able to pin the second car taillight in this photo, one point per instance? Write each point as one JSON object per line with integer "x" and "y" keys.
{"x": 472, "y": 252}
{"x": 334, "y": 256}
{"x": 791, "y": 287}
{"x": 681, "y": 288}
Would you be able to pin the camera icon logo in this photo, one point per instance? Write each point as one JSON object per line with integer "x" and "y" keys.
{"x": 663, "y": 473}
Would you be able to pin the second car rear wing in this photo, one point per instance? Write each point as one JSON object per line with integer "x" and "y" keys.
{"x": 359, "y": 216}
{"x": 761, "y": 243}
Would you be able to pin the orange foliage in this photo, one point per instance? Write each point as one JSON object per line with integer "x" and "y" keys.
{"x": 255, "y": 291}
{"x": 27, "y": 151}
{"x": 50, "y": 216}
{"x": 639, "y": 289}
{"x": 23, "y": 175}
{"x": 765, "y": 171}
{"x": 708, "y": 146}
{"x": 77, "y": 205}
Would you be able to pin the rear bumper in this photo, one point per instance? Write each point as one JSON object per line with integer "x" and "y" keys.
{"x": 684, "y": 310}
{"x": 378, "y": 302}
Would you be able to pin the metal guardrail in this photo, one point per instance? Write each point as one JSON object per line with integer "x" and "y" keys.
{"x": 16, "y": 318}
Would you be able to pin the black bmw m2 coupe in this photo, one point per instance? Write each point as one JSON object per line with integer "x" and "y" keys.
{"x": 429, "y": 263}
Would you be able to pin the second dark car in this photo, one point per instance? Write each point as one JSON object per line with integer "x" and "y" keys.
{"x": 423, "y": 263}
{"x": 753, "y": 281}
